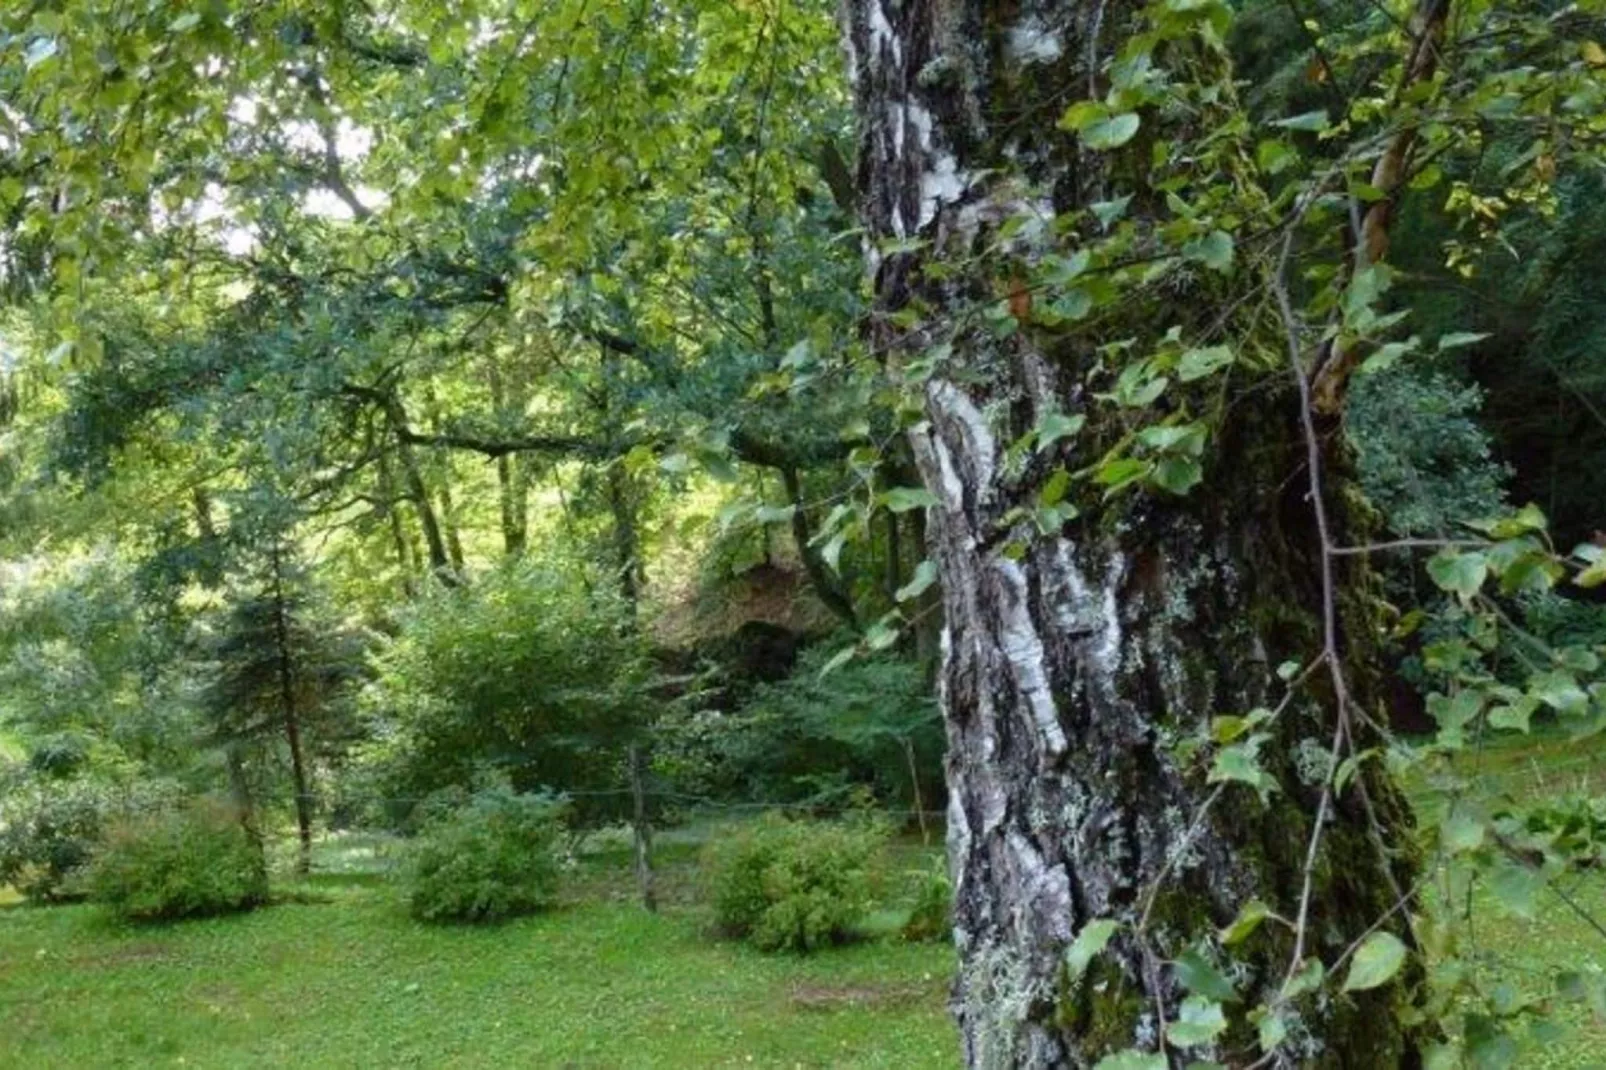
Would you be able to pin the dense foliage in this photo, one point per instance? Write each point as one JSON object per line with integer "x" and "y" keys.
{"x": 533, "y": 675}
{"x": 493, "y": 859}
{"x": 784, "y": 884}
{"x": 51, "y": 826}
{"x": 411, "y": 412}
{"x": 188, "y": 862}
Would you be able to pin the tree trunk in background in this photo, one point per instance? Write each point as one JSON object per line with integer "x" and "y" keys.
{"x": 1068, "y": 675}
{"x": 405, "y": 558}
{"x": 290, "y": 717}
{"x": 439, "y": 560}
{"x": 512, "y": 473}
{"x": 454, "y": 536}
{"x": 513, "y": 498}
{"x": 626, "y": 542}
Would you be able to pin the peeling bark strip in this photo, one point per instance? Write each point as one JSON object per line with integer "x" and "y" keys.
{"x": 1069, "y": 674}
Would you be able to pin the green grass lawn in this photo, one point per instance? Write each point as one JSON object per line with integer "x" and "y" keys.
{"x": 339, "y": 976}
{"x": 351, "y": 981}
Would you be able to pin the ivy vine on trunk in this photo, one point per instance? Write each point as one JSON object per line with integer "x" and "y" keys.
{"x": 1088, "y": 653}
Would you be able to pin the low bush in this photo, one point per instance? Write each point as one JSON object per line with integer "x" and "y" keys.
{"x": 50, "y": 829}
{"x": 190, "y": 862}
{"x": 494, "y": 858}
{"x": 790, "y": 885}
{"x": 931, "y": 917}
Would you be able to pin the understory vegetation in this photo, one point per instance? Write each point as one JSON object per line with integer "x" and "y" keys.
{"x": 803, "y": 533}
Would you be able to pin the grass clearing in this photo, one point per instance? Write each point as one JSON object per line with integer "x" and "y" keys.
{"x": 341, "y": 977}
{"x": 337, "y": 975}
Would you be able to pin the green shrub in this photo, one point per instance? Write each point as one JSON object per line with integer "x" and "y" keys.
{"x": 931, "y": 916}
{"x": 786, "y": 885}
{"x": 817, "y": 736}
{"x": 50, "y": 829}
{"x": 492, "y": 859}
{"x": 191, "y": 862}
{"x": 530, "y": 671}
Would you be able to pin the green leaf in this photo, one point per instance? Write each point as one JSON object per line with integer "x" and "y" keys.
{"x": 1107, "y": 212}
{"x": 1311, "y": 121}
{"x": 1593, "y": 576}
{"x": 1248, "y": 920}
{"x": 1054, "y": 489}
{"x": 1105, "y": 134}
{"x": 1275, "y": 157}
{"x": 1308, "y": 978}
{"x": 1175, "y": 474}
{"x": 1198, "y": 976}
{"x": 1460, "y": 574}
{"x": 1269, "y": 1025}
{"x": 1461, "y": 832}
{"x": 1198, "y": 363}
{"x": 1089, "y": 942}
{"x": 1082, "y": 114}
{"x": 906, "y": 499}
{"x": 925, "y": 575}
{"x": 1559, "y": 690}
{"x": 1515, "y": 888}
{"x": 1379, "y": 958}
{"x": 1241, "y": 763}
{"x": 1214, "y": 250}
{"x": 1457, "y": 339}
{"x": 1514, "y": 716}
{"x": 1120, "y": 472}
{"x": 1057, "y": 425}
{"x": 1199, "y": 1021}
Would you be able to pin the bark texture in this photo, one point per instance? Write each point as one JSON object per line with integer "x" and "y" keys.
{"x": 1071, "y": 674}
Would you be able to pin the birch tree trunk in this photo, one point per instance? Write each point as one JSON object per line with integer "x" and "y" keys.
{"x": 1072, "y": 672}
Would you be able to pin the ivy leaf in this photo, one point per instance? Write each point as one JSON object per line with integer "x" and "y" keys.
{"x": 1248, "y": 920}
{"x": 1241, "y": 763}
{"x": 1516, "y": 888}
{"x": 1460, "y": 574}
{"x": 1120, "y": 472}
{"x": 1199, "y": 1021}
{"x": 1270, "y": 1026}
{"x": 1198, "y": 363}
{"x": 1055, "y": 426}
{"x": 1082, "y": 114}
{"x": 1379, "y": 958}
{"x": 1201, "y": 978}
{"x": 1515, "y": 715}
{"x": 1461, "y": 832}
{"x": 1559, "y": 690}
{"x": 1274, "y": 157}
{"x": 1102, "y": 135}
{"x": 1214, "y": 250}
{"x": 925, "y": 575}
{"x": 1089, "y": 942}
{"x": 1175, "y": 474}
{"x": 1107, "y": 212}
{"x": 1308, "y": 979}
{"x": 906, "y": 499}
